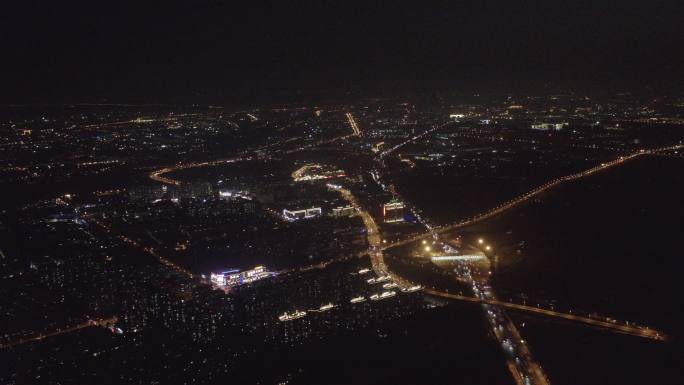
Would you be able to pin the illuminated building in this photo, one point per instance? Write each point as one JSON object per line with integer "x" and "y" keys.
{"x": 302, "y": 214}
{"x": 343, "y": 211}
{"x": 515, "y": 110}
{"x": 230, "y": 194}
{"x": 235, "y": 277}
{"x": 549, "y": 126}
{"x": 393, "y": 212}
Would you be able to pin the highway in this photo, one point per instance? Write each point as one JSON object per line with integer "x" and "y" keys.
{"x": 90, "y": 323}
{"x": 372, "y": 230}
{"x": 352, "y": 123}
{"x": 530, "y": 194}
{"x": 158, "y": 175}
{"x": 380, "y": 268}
{"x": 131, "y": 242}
{"x": 410, "y": 140}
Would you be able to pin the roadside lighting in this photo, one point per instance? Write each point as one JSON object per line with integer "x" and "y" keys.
{"x": 424, "y": 241}
{"x": 480, "y": 241}
{"x": 427, "y": 248}
{"x": 488, "y": 248}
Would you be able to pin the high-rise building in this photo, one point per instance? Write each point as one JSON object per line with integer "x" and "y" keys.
{"x": 235, "y": 277}
{"x": 393, "y": 212}
{"x": 293, "y": 215}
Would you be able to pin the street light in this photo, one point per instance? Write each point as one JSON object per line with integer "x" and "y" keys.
{"x": 424, "y": 241}
{"x": 427, "y": 248}
{"x": 488, "y": 248}
{"x": 480, "y": 241}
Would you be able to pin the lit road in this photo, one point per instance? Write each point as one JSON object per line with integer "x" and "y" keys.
{"x": 410, "y": 140}
{"x": 90, "y": 323}
{"x": 149, "y": 250}
{"x": 372, "y": 230}
{"x": 381, "y": 269}
{"x": 140, "y": 120}
{"x": 352, "y": 123}
{"x": 131, "y": 242}
{"x": 531, "y": 194}
{"x": 638, "y": 331}
{"x": 158, "y": 175}
{"x": 524, "y": 369}
{"x": 388, "y": 187}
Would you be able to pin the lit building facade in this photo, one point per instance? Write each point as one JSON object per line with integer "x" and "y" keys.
{"x": 393, "y": 212}
{"x": 235, "y": 277}
{"x": 293, "y": 215}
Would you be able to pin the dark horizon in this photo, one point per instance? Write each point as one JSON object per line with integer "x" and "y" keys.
{"x": 221, "y": 53}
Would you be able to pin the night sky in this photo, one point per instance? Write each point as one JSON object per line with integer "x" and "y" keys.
{"x": 229, "y": 50}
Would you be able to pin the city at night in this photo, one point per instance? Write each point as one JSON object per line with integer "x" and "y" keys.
{"x": 331, "y": 193}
